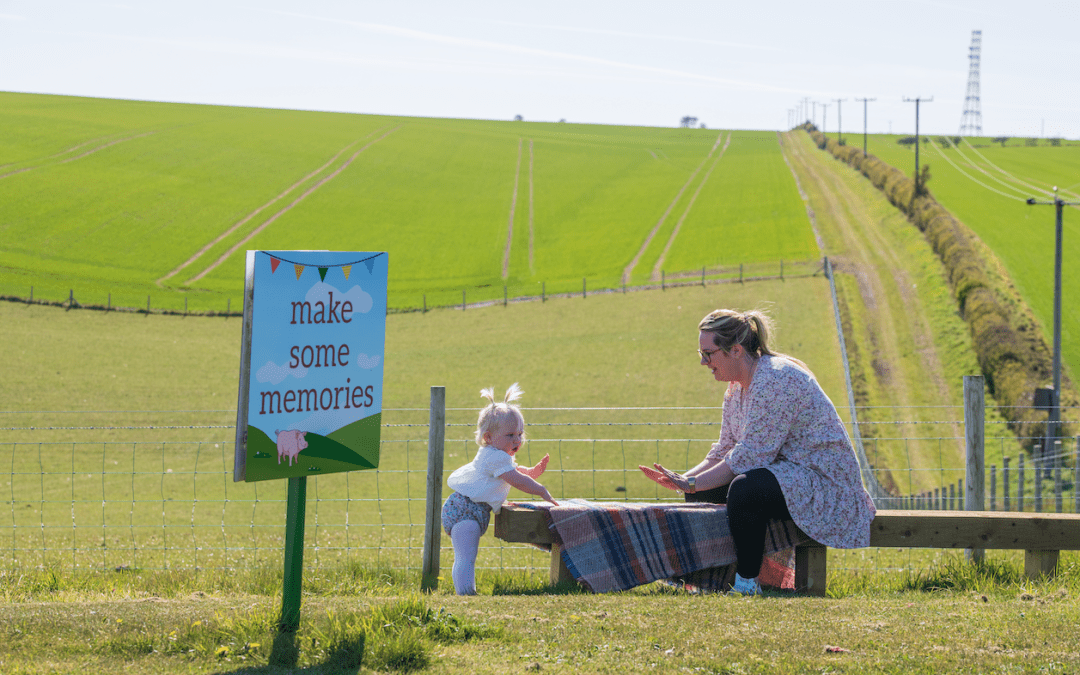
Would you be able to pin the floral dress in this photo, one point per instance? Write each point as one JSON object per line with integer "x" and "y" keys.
{"x": 785, "y": 423}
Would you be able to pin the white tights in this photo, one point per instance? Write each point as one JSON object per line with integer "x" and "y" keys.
{"x": 466, "y": 540}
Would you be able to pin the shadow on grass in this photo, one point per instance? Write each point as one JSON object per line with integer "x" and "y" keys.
{"x": 343, "y": 658}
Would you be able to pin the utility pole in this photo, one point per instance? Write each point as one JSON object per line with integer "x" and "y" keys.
{"x": 1055, "y": 403}
{"x": 864, "y": 101}
{"x": 824, "y": 116}
{"x": 917, "y": 100}
{"x": 813, "y": 115}
{"x": 805, "y": 106}
{"x": 839, "y": 121}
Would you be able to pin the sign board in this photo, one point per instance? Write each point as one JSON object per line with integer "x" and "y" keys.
{"x": 311, "y": 365}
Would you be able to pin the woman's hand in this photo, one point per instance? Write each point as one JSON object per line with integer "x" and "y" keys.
{"x": 538, "y": 470}
{"x": 666, "y": 478}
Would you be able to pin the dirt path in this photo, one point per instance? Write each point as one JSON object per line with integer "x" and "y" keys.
{"x": 645, "y": 245}
{"x": 79, "y": 156}
{"x": 868, "y": 255}
{"x": 240, "y": 223}
{"x": 238, "y": 245}
{"x": 659, "y": 266}
{"x": 510, "y": 225}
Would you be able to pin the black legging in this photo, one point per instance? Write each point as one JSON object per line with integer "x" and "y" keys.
{"x": 753, "y": 499}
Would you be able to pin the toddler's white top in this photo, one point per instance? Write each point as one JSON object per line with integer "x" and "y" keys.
{"x": 479, "y": 479}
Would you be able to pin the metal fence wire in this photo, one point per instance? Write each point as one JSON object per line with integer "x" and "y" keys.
{"x": 173, "y": 505}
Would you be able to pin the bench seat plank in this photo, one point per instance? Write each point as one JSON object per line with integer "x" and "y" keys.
{"x": 976, "y": 529}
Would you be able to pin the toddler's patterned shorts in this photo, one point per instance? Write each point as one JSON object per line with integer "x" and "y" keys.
{"x": 458, "y": 507}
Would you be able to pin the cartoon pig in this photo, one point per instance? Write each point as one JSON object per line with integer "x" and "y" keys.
{"x": 290, "y": 443}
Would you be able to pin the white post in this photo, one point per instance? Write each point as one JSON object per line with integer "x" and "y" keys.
{"x": 429, "y": 574}
{"x": 974, "y": 420}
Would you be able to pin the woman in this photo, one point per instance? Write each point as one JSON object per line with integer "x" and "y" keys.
{"x": 783, "y": 452}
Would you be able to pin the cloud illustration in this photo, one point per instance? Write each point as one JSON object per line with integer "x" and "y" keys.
{"x": 320, "y": 292}
{"x": 273, "y": 373}
{"x": 368, "y": 362}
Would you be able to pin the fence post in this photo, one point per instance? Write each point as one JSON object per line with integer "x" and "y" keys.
{"x": 1005, "y": 483}
{"x": 974, "y": 420}
{"x": 662, "y": 281}
{"x": 32, "y": 295}
{"x": 185, "y": 306}
{"x": 148, "y": 304}
{"x": 993, "y": 487}
{"x": 463, "y": 299}
{"x": 429, "y": 575}
{"x": 1076, "y": 474}
{"x": 71, "y": 297}
{"x": 1020, "y": 483}
{"x": 543, "y": 291}
{"x": 781, "y": 269}
{"x": 504, "y": 295}
{"x": 1038, "y": 481}
{"x": 425, "y": 303}
{"x": 228, "y": 307}
{"x": 583, "y": 287}
{"x": 740, "y": 273}
{"x": 109, "y": 306}
{"x": 703, "y": 275}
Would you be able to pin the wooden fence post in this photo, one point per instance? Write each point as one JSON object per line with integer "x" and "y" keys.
{"x": 429, "y": 574}
{"x": 974, "y": 420}
{"x": 583, "y": 287}
{"x": 463, "y": 299}
{"x": 425, "y": 303}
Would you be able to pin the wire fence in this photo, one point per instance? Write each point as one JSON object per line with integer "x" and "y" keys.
{"x": 454, "y": 296}
{"x": 171, "y": 504}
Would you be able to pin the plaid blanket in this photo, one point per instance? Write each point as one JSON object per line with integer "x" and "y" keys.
{"x": 613, "y": 546}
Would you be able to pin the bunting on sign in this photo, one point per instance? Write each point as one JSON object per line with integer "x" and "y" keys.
{"x": 346, "y": 268}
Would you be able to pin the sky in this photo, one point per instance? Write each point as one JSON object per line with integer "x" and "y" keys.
{"x": 732, "y": 65}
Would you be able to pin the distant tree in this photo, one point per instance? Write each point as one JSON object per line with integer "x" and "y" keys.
{"x": 562, "y": 121}
{"x": 1001, "y": 139}
{"x": 906, "y": 140}
{"x": 1055, "y": 142}
{"x": 1031, "y": 142}
{"x": 943, "y": 142}
{"x": 956, "y": 140}
{"x": 703, "y": 125}
{"x": 688, "y": 121}
{"x": 518, "y": 118}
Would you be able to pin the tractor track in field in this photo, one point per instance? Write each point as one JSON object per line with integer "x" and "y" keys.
{"x": 513, "y": 207}
{"x": 248, "y": 217}
{"x": 79, "y": 156}
{"x": 629, "y": 269}
{"x": 659, "y": 266}
{"x": 233, "y": 249}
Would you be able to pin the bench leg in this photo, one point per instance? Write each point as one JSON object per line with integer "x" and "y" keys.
{"x": 811, "y": 566}
{"x": 1040, "y": 563}
{"x": 558, "y": 572}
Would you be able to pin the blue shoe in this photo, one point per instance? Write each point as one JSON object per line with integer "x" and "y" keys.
{"x": 745, "y": 586}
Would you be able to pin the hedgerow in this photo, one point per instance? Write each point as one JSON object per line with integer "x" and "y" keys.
{"x": 1013, "y": 355}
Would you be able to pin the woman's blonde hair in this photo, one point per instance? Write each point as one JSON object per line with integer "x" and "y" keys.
{"x": 730, "y": 327}
{"x": 496, "y": 412}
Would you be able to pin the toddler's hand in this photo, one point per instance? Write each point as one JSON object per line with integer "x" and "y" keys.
{"x": 548, "y": 498}
{"x": 541, "y": 466}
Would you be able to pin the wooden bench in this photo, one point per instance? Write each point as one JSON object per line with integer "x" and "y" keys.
{"x": 1040, "y": 535}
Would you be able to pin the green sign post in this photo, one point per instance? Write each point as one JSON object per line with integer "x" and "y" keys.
{"x": 311, "y": 366}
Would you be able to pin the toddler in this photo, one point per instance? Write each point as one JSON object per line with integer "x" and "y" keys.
{"x": 481, "y": 486}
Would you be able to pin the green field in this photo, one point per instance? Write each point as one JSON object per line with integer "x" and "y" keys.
{"x": 116, "y": 201}
{"x": 984, "y": 184}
